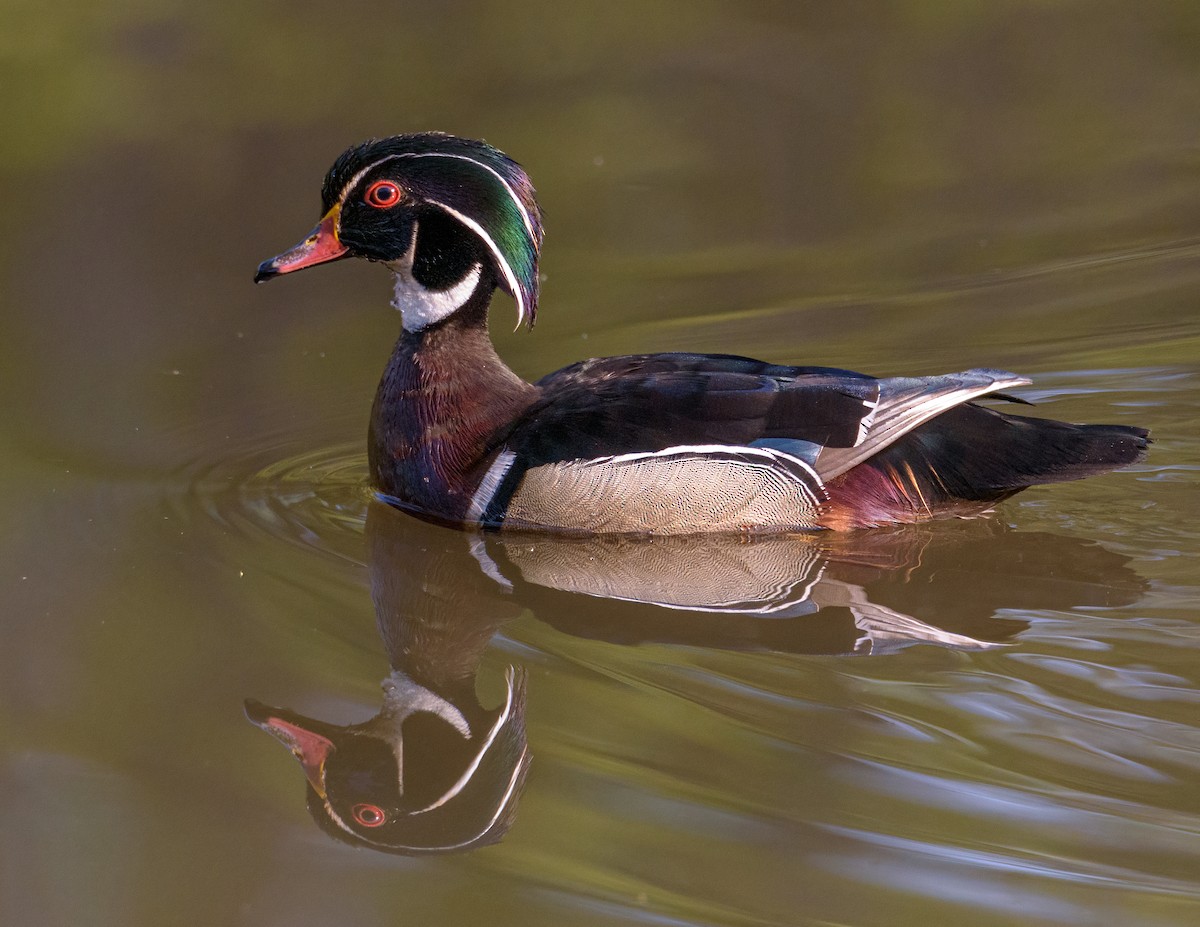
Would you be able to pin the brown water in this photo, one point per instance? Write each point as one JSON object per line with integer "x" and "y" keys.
{"x": 989, "y": 723}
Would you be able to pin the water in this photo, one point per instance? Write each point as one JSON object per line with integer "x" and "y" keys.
{"x": 992, "y": 722}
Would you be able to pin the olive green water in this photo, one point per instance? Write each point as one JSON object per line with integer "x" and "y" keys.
{"x": 898, "y": 188}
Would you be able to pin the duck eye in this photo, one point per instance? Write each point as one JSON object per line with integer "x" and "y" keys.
{"x": 382, "y": 194}
{"x": 368, "y": 815}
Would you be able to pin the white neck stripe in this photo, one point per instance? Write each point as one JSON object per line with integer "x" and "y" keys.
{"x": 420, "y": 306}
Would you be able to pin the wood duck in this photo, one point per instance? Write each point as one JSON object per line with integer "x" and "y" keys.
{"x": 649, "y": 443}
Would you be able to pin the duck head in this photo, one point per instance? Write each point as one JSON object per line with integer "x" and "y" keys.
{"x": 451, "y": 217}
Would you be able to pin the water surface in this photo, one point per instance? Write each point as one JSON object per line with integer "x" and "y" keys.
{"x": 991, "y": 722}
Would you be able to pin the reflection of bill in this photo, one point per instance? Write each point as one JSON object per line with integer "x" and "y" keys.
{"x": 434, "y": 771}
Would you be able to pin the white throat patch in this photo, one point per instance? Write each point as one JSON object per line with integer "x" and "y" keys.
{"x": 420, "y": 306}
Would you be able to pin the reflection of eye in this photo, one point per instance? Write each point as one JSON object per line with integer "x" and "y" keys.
{"x": 382, "y": 194}
{"x": 368, "y": 815}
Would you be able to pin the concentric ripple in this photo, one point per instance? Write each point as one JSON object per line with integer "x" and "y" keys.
{"x": 311, "y": 497}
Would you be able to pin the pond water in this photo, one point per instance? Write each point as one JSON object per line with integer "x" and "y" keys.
{"x": 993, "y": 722}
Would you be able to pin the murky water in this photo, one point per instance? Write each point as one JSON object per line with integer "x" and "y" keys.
{"x": 992, "y": 722}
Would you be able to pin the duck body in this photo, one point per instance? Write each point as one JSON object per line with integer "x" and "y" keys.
{"x": 642, "y": 444}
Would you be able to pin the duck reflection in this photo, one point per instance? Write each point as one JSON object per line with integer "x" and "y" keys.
{"x": 434, "y": 771}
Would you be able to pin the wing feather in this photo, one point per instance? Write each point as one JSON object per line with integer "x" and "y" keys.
{"x": 906, "y": 403}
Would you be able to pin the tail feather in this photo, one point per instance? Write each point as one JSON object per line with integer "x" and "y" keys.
{"x": 969, "y": 458}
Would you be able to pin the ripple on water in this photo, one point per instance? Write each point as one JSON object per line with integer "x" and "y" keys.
{"x": 313, "y": 498}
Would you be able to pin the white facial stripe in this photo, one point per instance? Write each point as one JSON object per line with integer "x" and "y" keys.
{"x": 525, "y": 216}
{"x": 353, "y": 181}
{"x": 518, "y": 295}
{"x": 419, "y": 306}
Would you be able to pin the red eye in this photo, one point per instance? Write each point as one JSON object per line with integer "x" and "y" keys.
{"x": 368, "y": 815}
{"x": 382, "y": 194}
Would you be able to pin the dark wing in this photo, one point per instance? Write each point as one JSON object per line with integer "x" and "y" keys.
{"x": 686, "y": 443}
{"x": 647, "y": 403}
{"x": 832, "y": 419}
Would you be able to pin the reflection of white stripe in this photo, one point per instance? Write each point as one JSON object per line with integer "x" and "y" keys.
{"x": 487, "y": 745}
{"x": 771, "y": 607}
{"x": 487, "y": 564}
{"x": 511, "y": 788}
{"x": 489, "y": 485}
{"x": 775, "y": 459}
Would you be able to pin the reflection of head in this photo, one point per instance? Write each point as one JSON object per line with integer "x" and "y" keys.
{"x": 422, "y": 776}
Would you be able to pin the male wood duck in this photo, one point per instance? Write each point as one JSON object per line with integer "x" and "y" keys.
{"x": 648, "y": 443}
